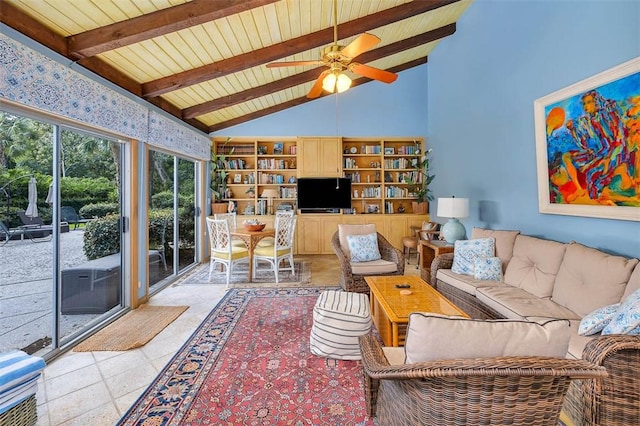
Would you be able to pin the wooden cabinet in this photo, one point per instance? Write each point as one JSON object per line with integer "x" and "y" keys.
{"x": 380, "y": 172}
{"x": 319, "y": 157}
{"x": 254, "y": 165}
{"x": 315, "y": 230}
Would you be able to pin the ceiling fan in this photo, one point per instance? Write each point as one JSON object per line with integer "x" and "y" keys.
{"x": 339, "y": 58}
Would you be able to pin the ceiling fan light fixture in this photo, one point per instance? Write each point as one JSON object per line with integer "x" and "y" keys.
{"x": 329, "y": 82}
{"x": 343, "y": 83}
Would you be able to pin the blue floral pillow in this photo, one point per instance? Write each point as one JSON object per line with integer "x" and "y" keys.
{"x": 363, "y": 248}
{"x": 465, "y": 253}
{"x": 488, "y": 268}
{"x": 626, "y": 320}
{"x": 597, "y": 320}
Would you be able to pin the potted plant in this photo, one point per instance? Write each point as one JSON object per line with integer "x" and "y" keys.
{"x": 421, "y": 186}
{"x": 219, "y": 177}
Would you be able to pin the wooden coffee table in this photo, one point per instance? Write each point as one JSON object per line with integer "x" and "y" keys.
{"x": 390, "y": 309}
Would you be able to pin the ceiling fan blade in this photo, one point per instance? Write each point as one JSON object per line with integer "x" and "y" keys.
{"x": 316, "y": 90}
{"x": 293, "y": 64}
{"x": 360, "y": 45}
{"x": 374, "y": 73}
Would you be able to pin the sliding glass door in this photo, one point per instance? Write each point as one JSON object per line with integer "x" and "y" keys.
{"x": 60, "y": 235}
{"x": 171, "y": 208}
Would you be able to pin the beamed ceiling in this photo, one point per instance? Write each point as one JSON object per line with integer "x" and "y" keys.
{"x": 203, "y": 61}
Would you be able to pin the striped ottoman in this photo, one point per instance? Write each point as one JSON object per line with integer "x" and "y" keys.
{"x": 339, "y": 317}
{"x": 19, "y": 374}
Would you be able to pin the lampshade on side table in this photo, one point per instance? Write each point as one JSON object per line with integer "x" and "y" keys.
{"x": 453, "y": 208}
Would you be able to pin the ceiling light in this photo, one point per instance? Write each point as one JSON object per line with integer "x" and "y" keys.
{"x": 344, "y": 82}
{"x": 336, "y": 80}
{"x": 329, "y": 82}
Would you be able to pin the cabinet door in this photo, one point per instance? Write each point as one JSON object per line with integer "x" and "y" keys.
{"x": 329, "y": 227}
{"x": 309, "y": 234}
{"x": 319, "y": 157}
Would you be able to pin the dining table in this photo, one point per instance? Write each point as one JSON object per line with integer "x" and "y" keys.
{"x": 251, "y": 240}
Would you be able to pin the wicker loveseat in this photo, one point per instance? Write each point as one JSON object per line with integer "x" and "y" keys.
{"x": 391, "y": 263}
{"x": 597, "y": 279}
{"x": 525, "y": 391}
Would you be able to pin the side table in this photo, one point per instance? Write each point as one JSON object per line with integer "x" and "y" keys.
{"x": 431, "y": 249}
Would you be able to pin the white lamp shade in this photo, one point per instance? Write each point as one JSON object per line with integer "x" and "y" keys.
{"x": 269, "y": 193}
{"x": 453, "y": 207}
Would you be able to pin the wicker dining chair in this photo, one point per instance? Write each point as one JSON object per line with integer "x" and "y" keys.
{"x": 526, "y": 391}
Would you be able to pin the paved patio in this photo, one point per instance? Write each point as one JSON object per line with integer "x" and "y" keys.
{"x": 26, "y": 294}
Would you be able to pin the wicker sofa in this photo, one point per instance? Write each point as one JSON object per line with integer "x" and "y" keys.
{"x": 547, "y": 279}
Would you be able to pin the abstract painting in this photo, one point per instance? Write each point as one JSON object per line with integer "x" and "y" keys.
{"x": 588, "y": 146}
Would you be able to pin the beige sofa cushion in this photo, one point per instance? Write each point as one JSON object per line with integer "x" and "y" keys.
{"x": 463, "y": 282}
{"x": 577, "y": 343}
{"x": 345, "y": 229}
{"x": 633, "y": 284}
{"x": 534, "y": 265}
{"x": 374, "y": 267}
{"x": 589, "y": 278}
{"x": 433, "y": 337}
{"x": 504, "y": 242}
{"x": 517, "y": 303}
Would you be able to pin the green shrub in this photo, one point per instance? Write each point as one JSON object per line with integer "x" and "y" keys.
{"x": 102, "y": 237}
{"x": 164, "y": 200}
{"x": 98, "y": 210}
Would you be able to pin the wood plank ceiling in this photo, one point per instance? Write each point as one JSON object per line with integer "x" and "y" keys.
{"x": 203, "y": 61}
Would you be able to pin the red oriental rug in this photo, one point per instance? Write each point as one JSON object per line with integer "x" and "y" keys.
{"x": 249, "y": 363}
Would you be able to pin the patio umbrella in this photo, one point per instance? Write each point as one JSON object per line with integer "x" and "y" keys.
{"x": 32, "y": 208}
{"x": 49, "y": 199}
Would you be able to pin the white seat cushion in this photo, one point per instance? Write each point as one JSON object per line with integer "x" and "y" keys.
{"x": 339, "y": 317}
{"x": 374, "y": 267}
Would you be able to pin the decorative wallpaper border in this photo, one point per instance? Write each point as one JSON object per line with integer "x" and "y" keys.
{"x": 32, "y": 79}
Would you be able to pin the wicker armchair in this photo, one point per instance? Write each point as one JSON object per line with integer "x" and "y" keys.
{"x": 526, "y": 391}
{"x": 356, "y": 283}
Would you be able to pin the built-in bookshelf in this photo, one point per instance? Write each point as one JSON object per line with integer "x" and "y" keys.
{"x": 381, "y": 171}
{"x": 254, "y": 165}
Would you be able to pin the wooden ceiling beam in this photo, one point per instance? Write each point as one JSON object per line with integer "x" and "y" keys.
{"x": 277, "y": 51}
{"x": 311, "y": 75}
{"x": 299, "y": 101}
{"x": 25, "y": 24}
{"x": 155, "y": 24}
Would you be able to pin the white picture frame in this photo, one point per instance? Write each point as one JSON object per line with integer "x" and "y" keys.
{"x": 579, "y": 172}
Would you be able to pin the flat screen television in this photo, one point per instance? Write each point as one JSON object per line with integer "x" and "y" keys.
{"x": 323, "y": 194}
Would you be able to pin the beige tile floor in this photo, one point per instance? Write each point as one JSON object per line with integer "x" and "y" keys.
{"x": 97, "y": 388}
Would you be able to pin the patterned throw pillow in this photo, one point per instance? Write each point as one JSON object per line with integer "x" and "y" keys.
{"x": 465, "y": 253}
{"x": 488, "y": 268}
{"x": 597, "y": 320}
{"x": 627, "y": 318}
{"x": 363, "y": 248}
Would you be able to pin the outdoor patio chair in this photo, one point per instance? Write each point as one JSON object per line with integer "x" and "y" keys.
{"x": 34, "y": 227}
{"x": 68, "y": 214}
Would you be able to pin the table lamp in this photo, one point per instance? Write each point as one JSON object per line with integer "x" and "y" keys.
{"x": 270, "y": 194}
{"x": 453, "y": 208}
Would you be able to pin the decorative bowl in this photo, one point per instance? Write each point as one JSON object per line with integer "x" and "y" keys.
{"x": 254, "y": 228}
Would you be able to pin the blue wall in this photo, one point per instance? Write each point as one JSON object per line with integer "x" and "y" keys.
{"x": 371, "y": 109}
{"x": 482, "y": 85}
{"x": 482, "y": 82}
